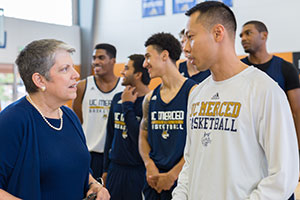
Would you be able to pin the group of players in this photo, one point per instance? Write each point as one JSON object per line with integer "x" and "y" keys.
{"x": 217, "y": 128}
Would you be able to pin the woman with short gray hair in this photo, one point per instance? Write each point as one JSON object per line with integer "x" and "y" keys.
{"x": 43, "y": 154}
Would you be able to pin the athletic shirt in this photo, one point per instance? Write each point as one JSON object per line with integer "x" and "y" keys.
{"x": 241, "y": 141}
{"x": 123, "y": 132}
{"x": 281, "y": 71}
{"x": 95, "y": 108}
{"x": 167, "y": 130}
{"x": 198, "y": 78}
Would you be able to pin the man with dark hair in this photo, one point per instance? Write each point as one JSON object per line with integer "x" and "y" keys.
{"x": 254, "y": 37}
{"x": 241, "y": 140}
{"x": 163, "y": 127}
{"x": 94, "y": 95}
{"x": 123, "y": 165}
{"x": 186, "y": 68}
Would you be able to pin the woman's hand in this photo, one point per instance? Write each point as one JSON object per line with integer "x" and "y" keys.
{"x": 97, "y": 188}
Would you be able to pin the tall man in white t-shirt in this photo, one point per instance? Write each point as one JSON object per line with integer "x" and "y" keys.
{"x": 241, "y": 140}
{"x": 92, "y": 104}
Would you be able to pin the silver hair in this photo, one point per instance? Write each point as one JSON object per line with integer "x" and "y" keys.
{"x": 38, "y": 57}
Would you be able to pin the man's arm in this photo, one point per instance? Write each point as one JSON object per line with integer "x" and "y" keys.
{"x": 167, "y": 180}
{"x": 77, "y": 102}
{"x": 277, "y": 137}
{"x": 292, "y": 84}
{"x": 144, "y": 147}
{"x": 109, "y": 138}
{"x": 294, "y": 100}
{"x": 132, "y": 123}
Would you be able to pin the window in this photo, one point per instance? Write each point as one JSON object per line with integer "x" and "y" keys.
{"x": 49, "y": 11}
{"x": 11, "y": 85}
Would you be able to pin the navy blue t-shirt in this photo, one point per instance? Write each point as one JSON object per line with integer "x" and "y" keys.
{"x": 167, "y": 127}
{"x": 121, "y": 145}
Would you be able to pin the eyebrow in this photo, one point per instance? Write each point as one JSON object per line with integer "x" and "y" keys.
{"x": 247, "y": 30}
{"x": 147, "y": 54}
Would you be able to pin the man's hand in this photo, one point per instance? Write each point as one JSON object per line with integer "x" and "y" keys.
{"x": 165, "y": 182}
{"x": 129, "y": 94}
{"x": 152, "y": 174}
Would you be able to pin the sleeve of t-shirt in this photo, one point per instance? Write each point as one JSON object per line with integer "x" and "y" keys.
{"x": 109, "y": 135}
{"x": 291, "y": 75}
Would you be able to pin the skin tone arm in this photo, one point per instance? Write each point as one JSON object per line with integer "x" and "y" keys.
{"x": 77, "y": 102}
{"x": 294, "y": 100}
{"x": 156, "y": 180}
{"x": 95, "y": 187}
{"x": 6, "y": 196}
{"x": 167, "y": 180}
{"x": 144, "y": 147}
{"x": 102, "y": 193}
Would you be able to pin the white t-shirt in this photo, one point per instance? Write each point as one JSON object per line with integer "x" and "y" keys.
{"x": 95, "y": 110}
{"x": 241, "y": 141}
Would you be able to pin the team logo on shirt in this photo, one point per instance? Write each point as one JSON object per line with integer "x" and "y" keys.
{"x": 167, "y": 120}
{"x": 99, "y": 106}
{"x": 154, "y": 98}
{"x": 124, "y": 134}
{"x": 216, "y": 96}
{"x": 206, "y": 139}
{"x": 214, "y": 115}
{"x": 165, "y": 135}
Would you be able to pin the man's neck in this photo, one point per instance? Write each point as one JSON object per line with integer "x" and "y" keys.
{"x": 106, "y": 83}
{"x": 142, "y": 89}
{"x": 192, "y": 69}
{"x": 172, "y": 78}
{"x": 259, "y": 57}
{"x": 107, "y": 78}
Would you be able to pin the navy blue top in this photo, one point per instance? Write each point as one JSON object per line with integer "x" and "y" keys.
{"x": 281, "y": 71}
{"x": 167, "y": 127}
{"x": 121, "y": 145}
{"x": 198, "y": 78}
{"x": 38, "y": 162}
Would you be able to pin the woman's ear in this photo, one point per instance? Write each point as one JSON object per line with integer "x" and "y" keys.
{"x": 39, "y": 81}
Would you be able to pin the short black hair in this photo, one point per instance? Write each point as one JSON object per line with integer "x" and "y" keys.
{"x": 181, "y": 33}
{"x": 138, "y": 61}
{"x": 214, "y": 12}
{"x": 260, "y": 26}
{"x": 110, "y": 49}
{"x": 165, "y": 41}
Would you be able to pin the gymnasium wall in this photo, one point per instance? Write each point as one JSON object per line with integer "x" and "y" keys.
{"x": 121, "y": 24}
{"x": 21, "y": 32}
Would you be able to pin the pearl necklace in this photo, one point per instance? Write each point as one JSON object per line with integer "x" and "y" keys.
{"x": 45, "y": 119}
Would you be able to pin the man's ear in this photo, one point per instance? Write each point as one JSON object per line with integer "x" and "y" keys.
{"x": 113, "y": 60}
{"x": 264, "y": 35}
{"x": 164, "y": 55}
{"x": 138, "y": 75}
{"x": 38, "y": 80}
{"x": 218, "y": 32}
